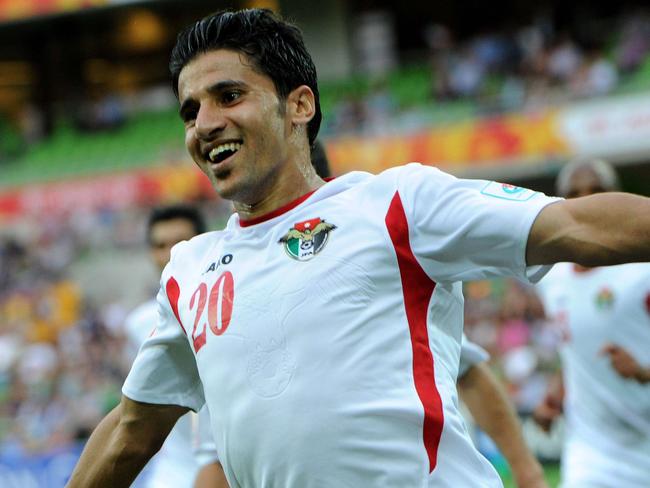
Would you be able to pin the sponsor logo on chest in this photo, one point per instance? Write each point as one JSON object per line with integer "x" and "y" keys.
{"x": 306, "y": 239}
{"x": 223, "y": 260}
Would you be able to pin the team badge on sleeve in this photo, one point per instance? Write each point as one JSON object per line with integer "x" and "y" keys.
{"x": 307, "y": 238}
{"x": 506, "y": 191}
{"x": 605, "y": 299}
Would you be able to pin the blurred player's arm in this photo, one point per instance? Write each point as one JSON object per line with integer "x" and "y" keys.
{"x": 211, "y": 476}
{"x": 210, "y": 473}
{"x": 625, "y": 364}
{"x": 487, "y": 403}
{"x": 123, "y": 442}
{"x": 550, "y": 407}
{"x": 598, "y": 230}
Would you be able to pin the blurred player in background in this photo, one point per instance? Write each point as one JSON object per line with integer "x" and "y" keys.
{"x": 477, "y": 387}
{"x": 323, "y": 325}
{"x": 174, "y": 466}
{"x": 604, "y": 392}
{"x": 492, "y": 411}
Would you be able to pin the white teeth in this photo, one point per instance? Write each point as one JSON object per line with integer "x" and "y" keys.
{"x": 230, "y": 146}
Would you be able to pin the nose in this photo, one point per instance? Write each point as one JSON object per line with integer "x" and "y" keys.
{"x": 209, "y": 121}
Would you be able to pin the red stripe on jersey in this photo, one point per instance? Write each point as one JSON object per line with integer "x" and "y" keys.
{"x": 418, "y": 289}
{"x": 173, "y": 293}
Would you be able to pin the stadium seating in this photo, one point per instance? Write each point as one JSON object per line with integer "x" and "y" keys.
{"x": 155, "y": 137}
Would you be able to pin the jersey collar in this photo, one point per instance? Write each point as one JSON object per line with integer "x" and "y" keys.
{"x": 279, "y": 211}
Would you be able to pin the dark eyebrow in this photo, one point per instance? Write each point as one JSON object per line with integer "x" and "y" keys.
{"x": 215, "y": 89}
{"x": 225, "y": 85}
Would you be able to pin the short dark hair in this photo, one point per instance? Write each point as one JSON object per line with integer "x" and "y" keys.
{"x": 173, "y": 212}
{"x": 275, "y": 46}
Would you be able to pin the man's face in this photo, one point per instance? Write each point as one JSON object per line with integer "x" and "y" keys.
{"x": 164, "y": 235}
{"x": 584, "y": 182}
{"x": 235, "y": 125}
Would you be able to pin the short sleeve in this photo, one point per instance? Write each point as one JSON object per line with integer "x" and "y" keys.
{"x": 204, "y": 446}
{"x": 164, "y": 371}
{"x": 471, "y": 354}
{"x": 463, "y": 229}
{"x": 139, "y": 325}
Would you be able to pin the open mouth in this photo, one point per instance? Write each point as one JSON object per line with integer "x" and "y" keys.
{"x": 223, "y": 151}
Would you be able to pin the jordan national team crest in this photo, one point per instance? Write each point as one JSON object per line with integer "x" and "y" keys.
{"x": 307, "y": 238}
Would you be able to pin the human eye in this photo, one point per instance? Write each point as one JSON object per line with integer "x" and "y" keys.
{"x": 230, "y": 96}
{"x": 188, "y": 115}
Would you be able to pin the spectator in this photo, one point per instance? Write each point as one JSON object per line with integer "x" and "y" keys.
{"x": 596, "y": 77}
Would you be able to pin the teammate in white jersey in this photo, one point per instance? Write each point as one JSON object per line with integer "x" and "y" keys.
{"x": 322, "y": 326}
{"x": 492, "y": 411}
{"x": 605, "y": 318}
{"x": 175, "y": 465}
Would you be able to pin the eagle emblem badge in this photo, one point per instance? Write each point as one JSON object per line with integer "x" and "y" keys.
{"x": 306, "y": 239}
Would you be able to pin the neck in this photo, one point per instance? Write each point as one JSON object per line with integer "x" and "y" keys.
{"x": 282, "y": 191}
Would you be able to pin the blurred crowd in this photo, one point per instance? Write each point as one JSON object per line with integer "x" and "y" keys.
{"x": 523, "y": 68}
{"x": 536, "y": 60}
{"x": 63, "y": 351}
{"x": 519, "y": 68}
{"x": 507, "y": 319}
{"x": 61, "y": 361}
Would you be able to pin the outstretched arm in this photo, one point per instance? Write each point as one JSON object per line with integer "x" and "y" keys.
{"x": 484, "y": 397}
{"x": 598, "y": 230}
{"x": 123, "y": 442}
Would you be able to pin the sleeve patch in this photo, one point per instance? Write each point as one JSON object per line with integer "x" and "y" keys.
{"x": 506, "y": 191}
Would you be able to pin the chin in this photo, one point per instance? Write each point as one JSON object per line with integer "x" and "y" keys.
{"x": 236, "y": 187}
{"x": 227, "y": 190}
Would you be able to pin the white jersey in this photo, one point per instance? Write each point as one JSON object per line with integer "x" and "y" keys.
{"x": 139, "y": 325}
{"x": 471, "y": 354}
{"x": 205, "y": 449}
{"x": 175, "y": 465}
{"x": 608, "y": 416}
{"x": 325, "y": 336}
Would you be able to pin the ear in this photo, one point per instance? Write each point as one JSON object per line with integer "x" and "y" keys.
{"x": 301, "y": 105}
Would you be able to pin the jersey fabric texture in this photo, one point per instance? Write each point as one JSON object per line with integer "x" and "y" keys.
{"x": 205, "y": 449}
{"x": 607, "y": 416}
{"x": 325, "y": 336}
{"x": 175, "y": 464}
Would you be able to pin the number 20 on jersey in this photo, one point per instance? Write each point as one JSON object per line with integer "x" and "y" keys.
{"x": 219, "y": 301}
